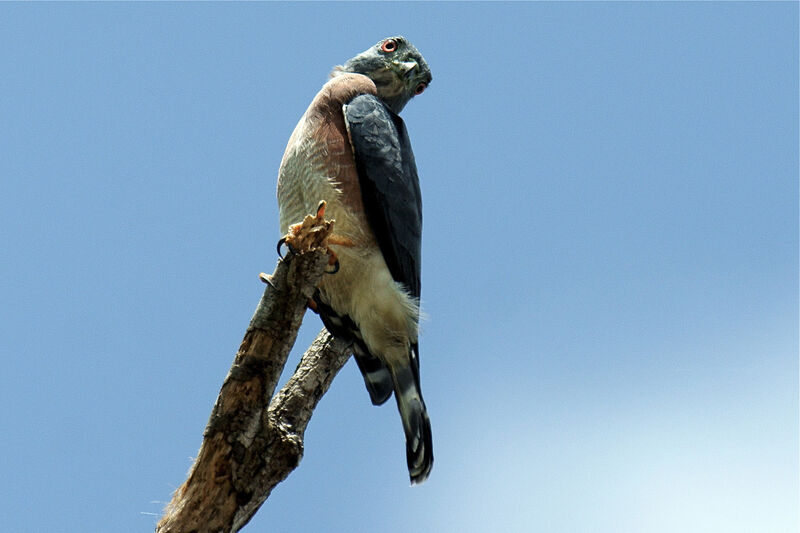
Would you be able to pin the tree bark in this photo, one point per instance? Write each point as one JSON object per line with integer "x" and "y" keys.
{"x": 254, "y": 440}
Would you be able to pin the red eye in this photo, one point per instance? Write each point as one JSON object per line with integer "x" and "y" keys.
{"x": 420, "y": 88}
{"x": 389, "y": 45}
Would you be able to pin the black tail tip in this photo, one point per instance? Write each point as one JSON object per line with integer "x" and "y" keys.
{"x": 420, "y": 458}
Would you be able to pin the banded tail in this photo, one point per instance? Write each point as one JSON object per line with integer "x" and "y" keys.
{"x": 381, "y": 380}
{"x": 377, "y": 378}
{"x": 417, "y": 426}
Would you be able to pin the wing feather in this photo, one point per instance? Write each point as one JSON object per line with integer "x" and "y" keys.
{"x": 389, "y": 186}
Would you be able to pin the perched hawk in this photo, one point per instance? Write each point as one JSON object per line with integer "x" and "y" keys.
{"x": 352, "y": 150}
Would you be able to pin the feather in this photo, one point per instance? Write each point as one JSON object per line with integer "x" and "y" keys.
{"x": 389, "y": 186}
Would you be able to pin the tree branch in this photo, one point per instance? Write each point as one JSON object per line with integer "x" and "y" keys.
{"x": 253, "y": 440}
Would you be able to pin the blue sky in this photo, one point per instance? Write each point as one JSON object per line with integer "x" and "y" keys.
{"x": 610, "y": 262}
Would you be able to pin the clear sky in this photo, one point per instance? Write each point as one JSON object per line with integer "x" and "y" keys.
{"x": 610, "y": 262}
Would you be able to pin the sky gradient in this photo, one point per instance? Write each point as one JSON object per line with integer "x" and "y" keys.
{"x": 610, "y": 262}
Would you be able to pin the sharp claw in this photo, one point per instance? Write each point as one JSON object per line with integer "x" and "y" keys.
{"x": 321, "y": 209}
{"x": 335, "y": 268}
{"x": 288, "y": 247}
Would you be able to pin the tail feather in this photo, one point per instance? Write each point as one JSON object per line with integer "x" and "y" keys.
{"x": 417, "y": 426}
{"x": 377, "y": 377}
{"x": 381, "y": 380}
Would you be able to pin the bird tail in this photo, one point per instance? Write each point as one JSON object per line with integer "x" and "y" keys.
{"x": 417, "y": 426}
{"x": 377, "y": 378}
{"x": 376, "y": 375}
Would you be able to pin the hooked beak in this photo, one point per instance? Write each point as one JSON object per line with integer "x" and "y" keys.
{"x": 407, "y": 69}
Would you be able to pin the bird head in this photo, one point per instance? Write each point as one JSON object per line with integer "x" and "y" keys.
{"x": 396, "y": 67}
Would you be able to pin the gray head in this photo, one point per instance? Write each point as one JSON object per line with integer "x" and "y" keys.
{"x": 396, "y": 67}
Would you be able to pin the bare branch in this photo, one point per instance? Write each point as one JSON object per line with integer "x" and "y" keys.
{"x": 289, "y": 413}
{"x": 253, "y": 441}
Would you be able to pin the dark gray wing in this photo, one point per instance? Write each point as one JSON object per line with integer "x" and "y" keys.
{"x": 387, "y": 176}
{"x": 389, "y": 185}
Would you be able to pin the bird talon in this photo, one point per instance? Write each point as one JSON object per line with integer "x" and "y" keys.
{"x": 335, "y": 268}
{"x": 333, "y": 260}
{"x": 266, "y": 278}
{"x": 289, "y": 247}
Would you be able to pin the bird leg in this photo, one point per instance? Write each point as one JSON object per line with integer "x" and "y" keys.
{"x": 337, "y": 240}
{"x": 340, "y": 240}
{"x": 312, "y": 232}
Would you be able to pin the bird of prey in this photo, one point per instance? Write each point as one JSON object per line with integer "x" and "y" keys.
{"x": 351, "y": 149}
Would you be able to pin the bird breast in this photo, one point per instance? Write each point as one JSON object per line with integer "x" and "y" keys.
{"x": 319, "y": 165}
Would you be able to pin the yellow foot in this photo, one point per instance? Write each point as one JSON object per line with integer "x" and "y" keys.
{"x": 321, "y": 209}
{"x": 340, "y": 240}
{"x": 311, "y": 233}
{"x": 333, "y": 260}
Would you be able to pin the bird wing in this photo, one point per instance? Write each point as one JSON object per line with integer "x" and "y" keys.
{"x": 387, "y": 177}
{"x": 389, "y": 186}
